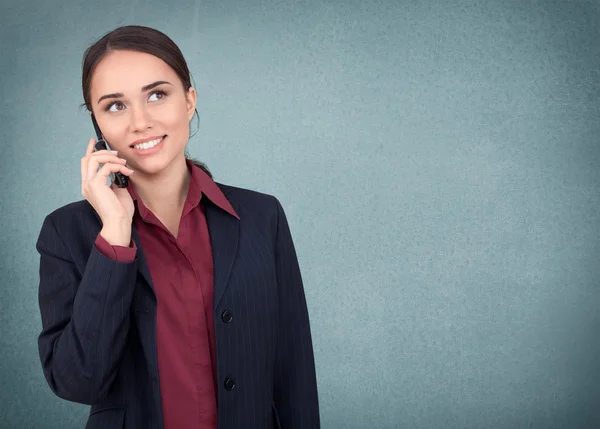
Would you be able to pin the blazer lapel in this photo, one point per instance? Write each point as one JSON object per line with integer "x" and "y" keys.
{"x": 224, "y": 230}
{"x": 146, "y": 326}
{"x": 142, "y": 263}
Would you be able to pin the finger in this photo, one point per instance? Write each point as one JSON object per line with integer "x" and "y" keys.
{"x": 92, "y": 168}
{"x": 93, "y": 162}
{"x": 118, "y": 191}
{"x": 108, "y": 168}
{"x": 104, "y": 158}
{"x": 84, "y": 160}
{"x": 104, "y": 152}
{"x": 90, "y": 147}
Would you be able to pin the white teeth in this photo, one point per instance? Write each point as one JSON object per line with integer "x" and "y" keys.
{"x": 148, "y": 145}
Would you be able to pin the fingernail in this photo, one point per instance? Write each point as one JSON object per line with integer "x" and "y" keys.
{"x": 114, "y": 151}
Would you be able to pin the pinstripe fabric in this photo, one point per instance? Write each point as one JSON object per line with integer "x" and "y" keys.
{"x": 98, "y": 339}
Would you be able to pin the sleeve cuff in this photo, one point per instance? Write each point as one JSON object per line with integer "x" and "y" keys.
{"x": 118, "y": 253}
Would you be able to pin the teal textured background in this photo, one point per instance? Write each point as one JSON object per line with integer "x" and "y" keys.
{"x": 438, "y": 163}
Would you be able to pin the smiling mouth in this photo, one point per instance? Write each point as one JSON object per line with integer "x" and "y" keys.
{"x": 148, "y": 145}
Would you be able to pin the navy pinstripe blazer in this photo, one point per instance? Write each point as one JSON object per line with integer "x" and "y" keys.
{"x": 98, "y": 340}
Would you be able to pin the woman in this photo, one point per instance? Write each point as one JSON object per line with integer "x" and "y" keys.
{"x": 175, "y": 302}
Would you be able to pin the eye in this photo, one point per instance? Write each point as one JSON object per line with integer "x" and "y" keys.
{"x": 115, "y": 107}
{"x": 157, "y": 95}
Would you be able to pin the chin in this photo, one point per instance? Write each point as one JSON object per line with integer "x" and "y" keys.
{"x": 156, "y": 164}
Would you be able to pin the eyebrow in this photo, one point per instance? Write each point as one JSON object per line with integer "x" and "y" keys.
{"x": 144, "y": 89}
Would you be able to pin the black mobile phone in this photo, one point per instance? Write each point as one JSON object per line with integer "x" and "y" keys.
{"x": 119, "y": 179}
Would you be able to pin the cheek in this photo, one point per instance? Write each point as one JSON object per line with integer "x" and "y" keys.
{"x": 116, "y": 132}
{"x": 175, "y": 118}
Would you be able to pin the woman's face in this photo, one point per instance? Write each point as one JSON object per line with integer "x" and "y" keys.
{"x": 138, "y": 99}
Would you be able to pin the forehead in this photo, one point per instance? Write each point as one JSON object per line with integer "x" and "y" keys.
{"x": 128, "y": 71}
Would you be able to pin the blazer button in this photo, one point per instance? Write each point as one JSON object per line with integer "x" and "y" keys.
{"x": 226, "y": 316}
{"x": 229, "y": 384}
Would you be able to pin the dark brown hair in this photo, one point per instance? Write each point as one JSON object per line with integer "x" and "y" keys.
{"x": 140, "y": 39}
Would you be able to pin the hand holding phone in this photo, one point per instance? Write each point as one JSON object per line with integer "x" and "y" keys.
{"x": 119, "y": 179}
{"x": 114, "y": 205}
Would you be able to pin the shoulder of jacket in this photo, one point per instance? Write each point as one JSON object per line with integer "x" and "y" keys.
{"x": 73, "y": 210}
{"x": 77, "y": 219}
{"x": 237, "y": 195}
{"x": 75, "y": 224}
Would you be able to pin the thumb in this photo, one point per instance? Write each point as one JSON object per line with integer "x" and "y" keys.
{"x": 119, "y": 191}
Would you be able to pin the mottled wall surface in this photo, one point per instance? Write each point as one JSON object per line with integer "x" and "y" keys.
{"x": 438, "y": 162}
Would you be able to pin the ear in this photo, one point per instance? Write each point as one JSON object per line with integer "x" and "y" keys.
{"x": 191, "y": 102}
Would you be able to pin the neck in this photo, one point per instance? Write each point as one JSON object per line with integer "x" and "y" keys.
{"x": 166, "y": 190}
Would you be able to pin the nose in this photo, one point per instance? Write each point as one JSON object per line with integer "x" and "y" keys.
{"x": 140, "y": 119}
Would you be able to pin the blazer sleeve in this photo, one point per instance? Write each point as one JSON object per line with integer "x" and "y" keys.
{"x": 85, "y": 318}
{"x": 295, "y": 386}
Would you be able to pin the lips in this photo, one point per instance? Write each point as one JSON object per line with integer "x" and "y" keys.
{"x": 152, "y": 141}
{"x": 149, "y": 148}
